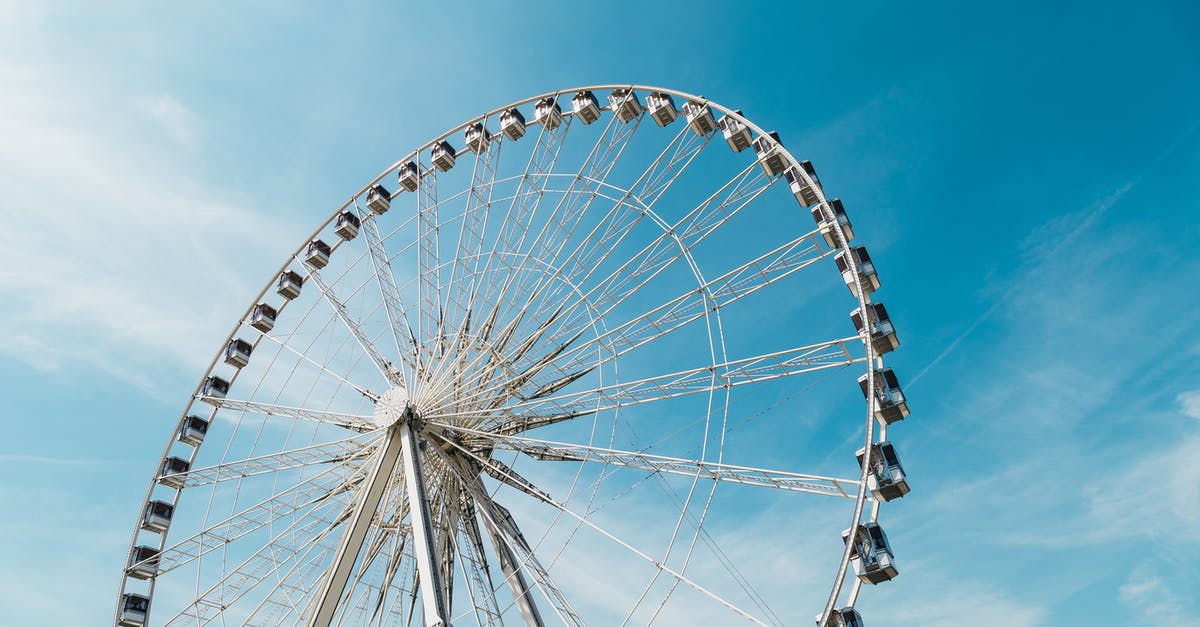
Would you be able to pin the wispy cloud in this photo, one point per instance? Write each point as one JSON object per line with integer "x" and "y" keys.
{"x": 113, "y": 258}
{"x": 1189, "y": 403}
{"x": 1154, "y": 601}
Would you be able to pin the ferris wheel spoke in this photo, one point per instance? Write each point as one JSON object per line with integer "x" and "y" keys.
{"x": 302, "y": 355}
{"x": 429, "y": 318}
{"x": 676, "y": 242}
{"x": 389, "y": 371}
{"x": 516, "y": 225}
{"x": 338, "y": 419}
{"x": 627, "y": 212}
{"x": 563, "y": 220}
{"x": 291, "y": 591}
{"x": 257, "y": 568}
{"x": 385, "y": 278}
{"x": 517, "y": 559}
{"x": 464, "y": 271}
{"x": 545, "y": 450}
{"x": 308, "y": 494}
{"x": 663, "y": 568}
{"x": 349, "y": 450}
{"x": 476, "y": 571}
{"x": 801, "y": 360}
{"x": 686, "y": 308}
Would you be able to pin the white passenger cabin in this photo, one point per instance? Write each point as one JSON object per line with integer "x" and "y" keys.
{"x": 888, "y": 400}
{"x": 237, "y": 352}
{"x": 870, "y": 554}
{"x": 804, "y": 189}
{"x": 192, "y": 430}
{"x": 863, "y": 274}
{"x": 289, "y": 284}
{"x": 143, "y": 562}
{"x": 317, "y": 254}
{"x": 662, "y": 108}
{"x": 844, "y": 617}
{"x": 624, "y": 104}
{"x": 134, "y": 608}
{"x": 886, "y": 480}
{"x": 379, "y": 199}
{"x": 585, "y": 106}
{"x": 512, "y": 124}
{"x": 840, "y": 223}
{"x": 770, "y": 155}
{"x": 443, "y": 156}
{"x": 157, "y": 516}
{"x": 548, "y": 114}
{"x": 170, "y": 468}
{"x": 409, "y": 176}
{"x": 347, "y": 225}
{"x": 214, "y": 388}
{"x": 699, "y": 117}
{"x": 879, "y": 325}
{"x": 737, "y": 134}
{"x": 477, "y": 137}
{"x": 262, "y": 317}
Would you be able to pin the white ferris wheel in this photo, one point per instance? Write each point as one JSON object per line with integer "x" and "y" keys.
{"x": 589, "y": 357}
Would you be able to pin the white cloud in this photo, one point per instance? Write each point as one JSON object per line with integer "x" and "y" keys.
{"x": 1154, "y": 601}
{"x": 176, "y": 120}
{"x": 114, "y": 256}
{"x": 1189, "y": 403}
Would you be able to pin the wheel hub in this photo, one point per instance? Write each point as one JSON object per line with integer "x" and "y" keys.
{"x": 391, "y": 407}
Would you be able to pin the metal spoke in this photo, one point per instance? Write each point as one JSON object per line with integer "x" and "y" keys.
{"x": 402, "y": 333}
{"x": 337, "y": 419}
{"x": 389, "y": 371}
{"x": 350, "y": 449}
{"x": 545, "y": 450}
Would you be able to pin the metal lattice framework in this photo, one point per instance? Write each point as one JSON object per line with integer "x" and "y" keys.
{"x": 506, "y": 391}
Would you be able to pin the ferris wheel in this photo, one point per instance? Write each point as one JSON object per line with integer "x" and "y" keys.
{"x": 590, "y": 357}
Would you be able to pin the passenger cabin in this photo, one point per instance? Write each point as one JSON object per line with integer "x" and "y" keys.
{"x": 317, "y": 254}
{"x": 237, "y": 352}
{"x": 770, "y": 157}
{"x": 845, "y": 617}
{"x": 862, "y": 274}
{"x": 192, "y": 430}
{"x": 883, "y": 334}
{"x": 289, "y": 285}
{"x": 888, "y": 398}
{"x": 409, "y": 176}
{"x": 379, "y": 199}
{"x": 841, "y": 222}
{"x": 805, "y": 193}
{"x": 548, "y": 114}
{"x": 624, "y": 104}
{"x": 886, "y": 480}
{"x": 512, "y": 124}
{"x": 134, "y": 608}
{"x": 870, "y": 554}
{"x": 347, "y": 225}
{"x": 662, "y": 108}
{"x": 214, "y": 387}
{"x": 699, "y": 117}
{"x": 443, "y": 156}
{"x": 477, "y": 137}
{"x": 173, "y": 466}
{"x": 737, "y": 134}
{"x": 157, "y": 516}
{"x": 262, "y": 317}
{"x": 143, "y": 562}
{"x": 585, "y": 106}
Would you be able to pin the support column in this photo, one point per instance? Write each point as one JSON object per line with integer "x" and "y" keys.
{"x": 326, "y": 602}
{"x": 433, "y": 599}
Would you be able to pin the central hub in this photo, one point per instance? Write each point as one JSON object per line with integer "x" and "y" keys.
{"x": 391, "y": 408}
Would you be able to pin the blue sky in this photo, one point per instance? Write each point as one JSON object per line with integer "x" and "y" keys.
{"x": 1025, "y": 177}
